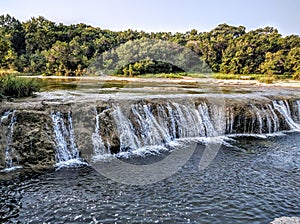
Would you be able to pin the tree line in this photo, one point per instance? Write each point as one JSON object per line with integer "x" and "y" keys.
{"x": 40, "y": 46}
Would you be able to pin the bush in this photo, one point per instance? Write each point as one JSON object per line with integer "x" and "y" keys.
{"x": 13, "y": 86}
{"x": 148, "y": 67}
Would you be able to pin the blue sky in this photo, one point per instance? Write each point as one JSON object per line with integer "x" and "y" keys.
{"x": 162, "y": 15}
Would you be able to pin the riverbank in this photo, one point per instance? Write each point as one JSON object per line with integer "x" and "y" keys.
{"x": 184, "y": 80}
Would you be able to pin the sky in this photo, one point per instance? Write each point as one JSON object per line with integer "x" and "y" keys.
{"x": 162, "y": 15}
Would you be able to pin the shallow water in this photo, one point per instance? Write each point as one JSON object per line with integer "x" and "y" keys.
{"x": 252, "y": 181}
{"x": 142, "y": 86}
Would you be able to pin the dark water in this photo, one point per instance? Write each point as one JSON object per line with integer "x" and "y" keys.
{"x": 254, "y": 181}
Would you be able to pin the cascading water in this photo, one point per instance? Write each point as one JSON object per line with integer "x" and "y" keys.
{"x": 100, "y": 150}
{"x": 128, "y": 138}
{"x": 254, "y": 119}
{"x": 11, "y": 158}
{"x": 152, "y": 124}
{"x": 206, "y": 126}
{"x": 296, "y": 106}
{"x": 147, "y": 124}
{"x": 66, "y": 149}
{"x": 284, "y": 109}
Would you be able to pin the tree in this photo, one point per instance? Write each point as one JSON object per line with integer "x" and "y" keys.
{"x": 246, "y": 53}
{"x": 40, "y": 34}
{"x": 13, "y": 30}
{"x": 65, "y": 59}
{"x": 274, "y": 63}
{"x": 42, "y": 46}
{"x": 293, "y": 62}
{"x": 214, "y": 43}
{"x": 7, "y": 54}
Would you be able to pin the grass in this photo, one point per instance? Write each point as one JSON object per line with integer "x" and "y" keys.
{"x": 168, "y": 75}
{"x": 259, "y": 77}
{"x": 13, "y": 86}
{"x": 226, "y": 76}
{"x": 264, "y": 78}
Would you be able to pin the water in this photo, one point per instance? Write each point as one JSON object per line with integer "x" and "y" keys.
{"x": 143, "y": 86}
{"x": 158, "y": 123}
{"x": 253, "y": 177}
{"x": 11, "y": 158}
{"x": 100, "y": 150}
{"x": 66, "y": 150}
{"x": 253, "y": 181}
{"x": 284, "y": 108}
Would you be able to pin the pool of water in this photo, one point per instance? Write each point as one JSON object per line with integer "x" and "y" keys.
{"x": 252, "y": 180}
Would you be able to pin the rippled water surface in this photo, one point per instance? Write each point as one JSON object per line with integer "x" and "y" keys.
{"x": 252, "y": 181}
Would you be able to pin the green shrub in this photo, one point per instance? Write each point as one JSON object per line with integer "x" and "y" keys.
{"x": 13, "y": 86}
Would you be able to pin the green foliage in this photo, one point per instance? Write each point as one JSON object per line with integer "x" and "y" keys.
{"x": 164, "y": 75}
{"x": 274, "y": 63}
{"x": 293, "y": 61}
{"x": 246, "y": 53}
{"x": 226, "y": 76}
{"x": 296, "y": 75}
{"x": 65, "y": 59}
{"x": 146, "y": 67}
{"x": 40, "y": 46}
{"x": 13, "y": 86}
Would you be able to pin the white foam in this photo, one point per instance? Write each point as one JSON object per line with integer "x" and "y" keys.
{"x": 70, "y": 163}
{"x": 143, "y": 151}
{"x": 10, "y": 169}
{"x": 102, "y": 157}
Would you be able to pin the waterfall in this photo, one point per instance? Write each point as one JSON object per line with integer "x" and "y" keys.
{"x": 149, "y": 123}
{"x": 282, "y": 106}
{"x": 298, "y": 104}
{"x": 152, "y": 131}
{"x": 145, "y": 124}
{"x": 159, "y": 124}
{"x": 207, "y": 128}
{"x": 297, "y": 110}
{"x": 274, "y": 119}
{"x": 11, "y": 156}
{"x": 100, "y": 151}
{"x": 254, "y": 119}
{"x": 66, "y": 149}
{"x": 128, "y": 138}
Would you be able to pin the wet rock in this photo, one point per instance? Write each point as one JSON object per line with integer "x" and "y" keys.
{"x": 31, "y": 142}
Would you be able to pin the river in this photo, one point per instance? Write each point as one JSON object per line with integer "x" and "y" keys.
{"x": 121, "y": 152}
